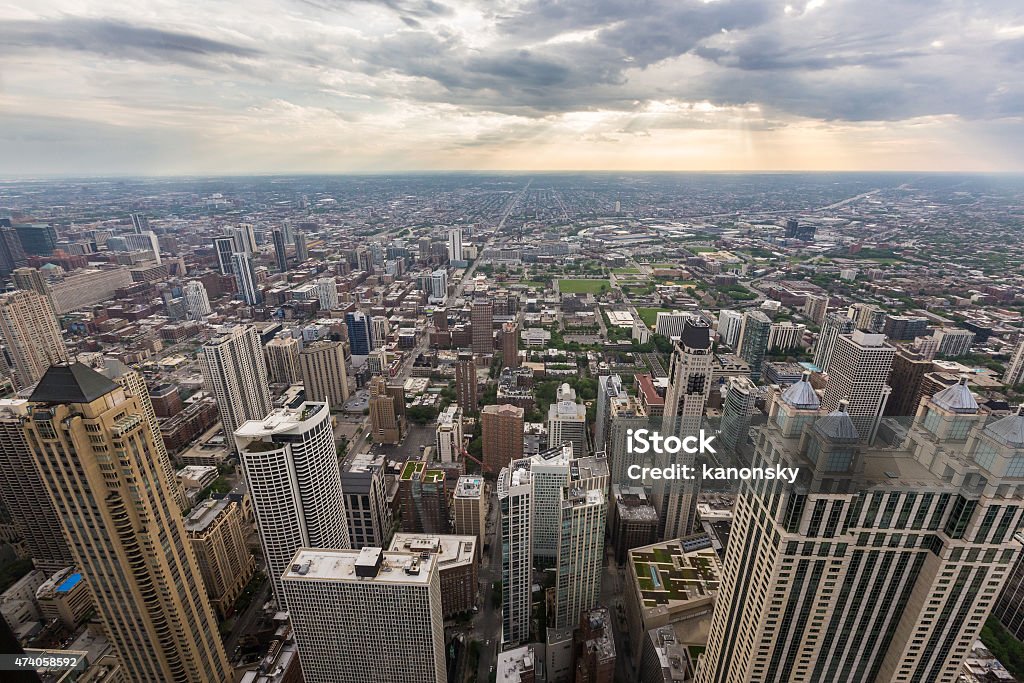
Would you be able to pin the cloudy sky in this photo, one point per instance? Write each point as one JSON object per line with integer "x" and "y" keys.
{"x": 208, "y": 86}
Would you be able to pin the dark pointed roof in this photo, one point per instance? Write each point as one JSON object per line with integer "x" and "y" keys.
{"x": 71, "y": 383}
{"x": 837, "y": 425}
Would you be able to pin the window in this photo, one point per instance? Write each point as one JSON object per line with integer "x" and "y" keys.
{"x": 1016, "y": 467}
{"x": 984, "y": 455}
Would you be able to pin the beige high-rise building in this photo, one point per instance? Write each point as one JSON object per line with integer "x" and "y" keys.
{"x": 235, "y": 371}
{"x": 879, "y": 565}
{"x": 135, "y": 385}
{"x": 324, "y": 374}
{"x": 283, "y": 360}
{"x": 31, "y": 334}
{"x": 688, "y": 390}
{"x": 468, "y": 507}
{"x": 385, "y": 424}
{"x": 217, "y": 531}
{"x": 502, "y": 432}
{"x": 94, "y": 448}
{"x": 24, "y": 494}
{"x": 30, "y": 279}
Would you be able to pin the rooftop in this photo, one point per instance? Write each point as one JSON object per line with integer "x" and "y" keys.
{"x": 451, "y": 550}
{"x": 71, "y": 383}
{"x": 340, "y": 565}
{"x": 469, "y": 486}
{"x": 205, "y": 514}
{"x": 279, "y": 421}
{"x": 667, "y": 577}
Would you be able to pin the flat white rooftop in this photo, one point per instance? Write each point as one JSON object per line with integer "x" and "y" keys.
{"x": 312, "y": 564}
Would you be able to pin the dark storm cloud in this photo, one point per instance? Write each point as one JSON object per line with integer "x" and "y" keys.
{"x": 113, "y": 38}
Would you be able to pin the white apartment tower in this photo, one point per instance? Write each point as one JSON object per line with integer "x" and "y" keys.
{"x": 609, "y": 389}
{"x": 858, "y": 372}
{"x": 549, "y": 474}
{"x": 455, "y": 244}
{"x": 583, "y": 514}
{"x": 448, "y": 434}
{"x": 688, "y": 390}
{"x": 567, "y": 421}
{"x": 879, "y": 565}
{"x": 245, "y": 278}
{"x": 729, "y": 325}
{"x": 197, "y": 300}
{"x": 380, "y": 329}
{"x": 282, "y": 356}
{"x": 327, "y": 293}
{"x": 235, "y": 371}
{"x": 31, "y": 336}
{"x": 291, "y": 466}
{"x": 514, "y": 497}
{"x": 367, "y": 614}
{"x": 834, "y": 325}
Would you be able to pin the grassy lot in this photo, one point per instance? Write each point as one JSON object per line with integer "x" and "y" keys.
{"x": 625, "y": 271}
{"x": 583, "y": 286}
{"x": 698, "y": 249}
{"x": 650, "y": 315}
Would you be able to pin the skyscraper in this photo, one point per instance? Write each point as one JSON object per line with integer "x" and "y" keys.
{"x": 549, "y": 474}
{"x": 878, "y": 565}
{"x": 514, "y": 497}
{"x": 367, "y": 614}
{"x": 280, "y": 251}
{"x": 327, "y": 292}
{"x": 688, "y": 390}
{"x": 134, "y": 385}
{"x": 468, "y": 511}
{"x": 301, "y": 250}
{"x": 197, "y": 300}
{"x": 908, "y": 371}
{"x": 30, "y": 279}
{"x": 225, "y": 248}
{"x": 323, "y": 372}
{"x": 244, "y": 239}
{"x": 291, "y": 465}
{"x": 834, "y": 325}
{"x": 465, "y": 382}
{"x": 815, "y": 306}
{"x": 448, "y": 434}
{"x": 510, "y": 345}
{"x": 438, "y": 286}
{"x": 282, "y": 355}
{"x": 737, "y": 411}
{"x": 245, "y": 277}
{"x": 481, "y": 319}
{"x": 216, "y": 531}
{"x": 93, "y": 445}
{"x": 609, "y": 388}
{"x": 12, "y": 255}
{"x": 567, "y": 421}
{"x": 858, "y": 373}
{"x": 583, "y": 514}
{"x": 385, "y": 423}
{"x": 754, "y": 340}
{"x": 31, "y": 336}
{"x": 360, "y": 338}
{"x": 1015, "y": 368}
{"x": 24, "y": 494}
{"x": 379, "y": 331}
{"x": 455, "y": 245}
{"x": 730, "y": 323}
{"x": 502, "y": 430}
{"x": 235, "y": 371}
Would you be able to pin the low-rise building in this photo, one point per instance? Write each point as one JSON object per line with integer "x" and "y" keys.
{"x": 456, "y": 558}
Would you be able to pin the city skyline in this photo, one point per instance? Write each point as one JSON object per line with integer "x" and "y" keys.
{"x": 292, "y": 86}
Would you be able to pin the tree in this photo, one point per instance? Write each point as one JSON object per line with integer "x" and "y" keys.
{"x": 421, "y": 414}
